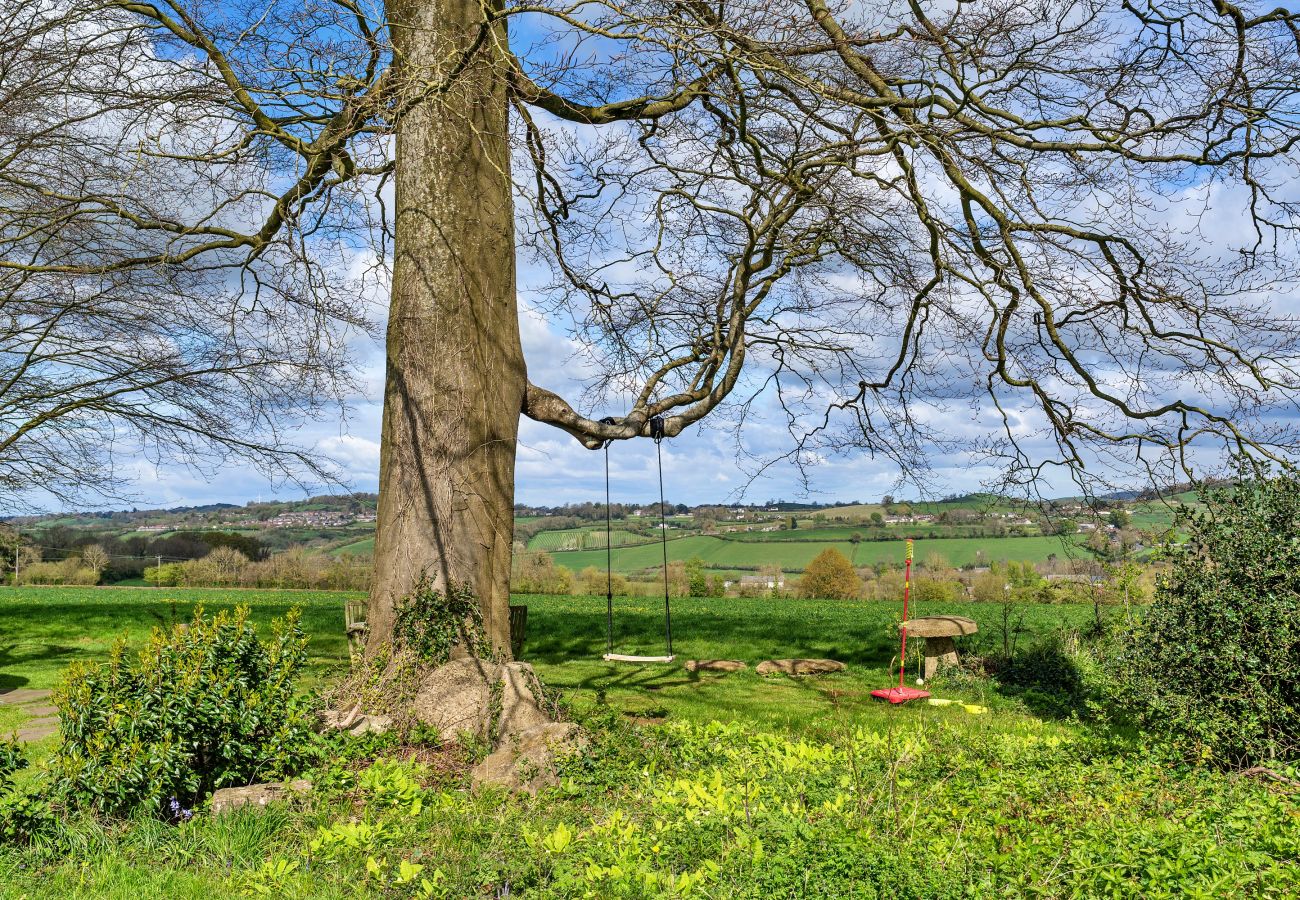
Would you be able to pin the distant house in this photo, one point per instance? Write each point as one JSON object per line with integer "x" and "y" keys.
{"x": 762, "y": 581}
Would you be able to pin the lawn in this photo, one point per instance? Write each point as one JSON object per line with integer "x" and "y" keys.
{"x": 48, "y": 628}
{"x": 707, "y": 786}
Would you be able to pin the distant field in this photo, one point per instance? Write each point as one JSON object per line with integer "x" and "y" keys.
{"x": 845, "y": 532}
{"x": 361, "y": 547}
{"x": 584, "y": 539}
{"x": 794, "y": 556}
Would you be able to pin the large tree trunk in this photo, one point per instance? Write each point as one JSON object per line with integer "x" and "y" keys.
{"x": 456, "y": 379}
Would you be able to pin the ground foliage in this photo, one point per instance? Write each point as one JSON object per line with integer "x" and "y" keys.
{"x": 724, "y": 811}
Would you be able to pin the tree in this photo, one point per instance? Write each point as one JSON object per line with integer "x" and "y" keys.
{"x": 95, "y": 558}
{"x": 830, "y": 576}
{"x": 1118, "y": 517}
{"x": 136, "y": 321}
{"x": 856, "y": 214}
{"x": 1212, "y": 662}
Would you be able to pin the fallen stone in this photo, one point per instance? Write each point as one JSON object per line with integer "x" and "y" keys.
{"x": 23, "y": 695}
{"x": 371, "y": 725}
{"x": 799, "y": 667}
{"x": 456, "y": 698}
{"x": 259, "y": 795}
{"x": 521, "y": 708}
{"x": 715, "y": 665}
{"x": 526, "y": 762}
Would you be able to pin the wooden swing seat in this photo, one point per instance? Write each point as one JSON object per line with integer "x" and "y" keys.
{"x": 619, "y": 657}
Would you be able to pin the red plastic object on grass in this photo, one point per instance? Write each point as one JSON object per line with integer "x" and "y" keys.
{"x": 902, "y": 694}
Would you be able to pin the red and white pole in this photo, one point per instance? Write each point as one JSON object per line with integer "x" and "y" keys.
{"x": 907, "y": 589}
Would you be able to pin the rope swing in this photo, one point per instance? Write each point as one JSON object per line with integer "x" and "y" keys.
{"x": 656, "y": 432}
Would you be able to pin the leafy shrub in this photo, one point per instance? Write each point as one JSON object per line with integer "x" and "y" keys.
{"x": 431, "y": 623}
{"x": 22, "y": 814}
{"x": 1214, "y": 662}
{"x": 11, "y": 761}
{"x": 200, "y": 707}
{"x": 831, "y": 576}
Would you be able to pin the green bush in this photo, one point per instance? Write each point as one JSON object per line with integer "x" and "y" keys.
{"x": 202, "y": 706}
{"x": 22, "y": 814}
{"x": 1214, "y": 662}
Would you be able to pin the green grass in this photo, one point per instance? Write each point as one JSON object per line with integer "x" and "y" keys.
{"x": 46, "y": 629}
{"x": 358, "y": 548}
{"x": 566, "y": 637}
{"x": 846, "y": 797}
{"x": 794, "y": 556}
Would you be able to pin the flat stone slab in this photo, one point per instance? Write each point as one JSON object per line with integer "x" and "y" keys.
{"x": 230, "y": 798}
{"x": 23, "y": 695}
{"x": 799, "y": 667}
{"x": 43, "y": 710}
{"x": 38, "y": 729}
{"x": 715, "y": 665}
{"x": 940, "y": 626}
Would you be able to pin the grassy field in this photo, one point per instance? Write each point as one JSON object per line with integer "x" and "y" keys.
{"x": 741, "y": 788}
{"x": 358, "y": 548}
{"x": 584, "y": 538}
{"x": 793, "y": 556}
{"x": 48, "y": 628}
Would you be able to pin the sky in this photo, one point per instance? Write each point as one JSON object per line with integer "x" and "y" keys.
{"x": 700, "y": 465}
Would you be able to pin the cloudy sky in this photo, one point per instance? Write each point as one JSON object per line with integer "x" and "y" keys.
{"x": 700, "y": 466}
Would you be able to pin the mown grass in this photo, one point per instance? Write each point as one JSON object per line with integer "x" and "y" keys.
{"x": 46, "y": 629}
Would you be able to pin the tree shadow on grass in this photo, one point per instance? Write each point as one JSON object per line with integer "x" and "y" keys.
{"x": 10, "y": 682}
{"x": 580, "y": 634}
{"x": 16, "y": 656}
{"x": 1046, "y": 679}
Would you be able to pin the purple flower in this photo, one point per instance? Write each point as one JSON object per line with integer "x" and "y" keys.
{"x": 178, "y": 812}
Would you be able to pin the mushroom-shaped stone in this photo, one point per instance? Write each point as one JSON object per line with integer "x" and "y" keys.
{"x": 938, "y": 632}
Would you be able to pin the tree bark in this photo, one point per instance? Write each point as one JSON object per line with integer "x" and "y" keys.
{"x": 455, "y": 368}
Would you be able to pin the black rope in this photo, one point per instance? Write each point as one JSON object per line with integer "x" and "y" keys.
{"x": 609, "y": 555}
{"x": 657, "y": 432}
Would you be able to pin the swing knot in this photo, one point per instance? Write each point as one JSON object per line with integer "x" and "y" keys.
{"x": 657, "y": 428}
{"x": 604, "y": 445}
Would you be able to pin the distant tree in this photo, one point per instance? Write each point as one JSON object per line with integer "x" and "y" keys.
{"x": 697, "y": 581}
{"x": 1119, "y": 517}
{"x": 95, "y": 558}
{"x": 830, "y": 576}
{"x": 877, "y": 519}
{"x": 887, "y": 500}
